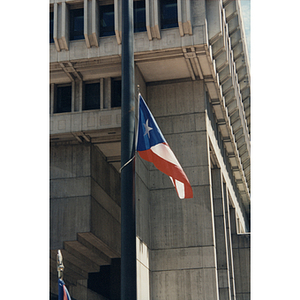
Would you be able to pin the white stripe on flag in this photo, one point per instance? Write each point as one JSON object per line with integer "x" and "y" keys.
{"x": 180, "y": 189}
{"x": 166, "y": 153}
{"x": 179, "y": 186}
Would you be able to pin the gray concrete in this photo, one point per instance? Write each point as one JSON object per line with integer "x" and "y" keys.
{"x": 242, "y": 266}
{"x": 196, "y": 80}
{"x": 221, "y": 235}
{"x": 85, "y": 215}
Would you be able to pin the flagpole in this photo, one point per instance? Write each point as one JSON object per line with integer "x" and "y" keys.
{"x": 128, "y": 226}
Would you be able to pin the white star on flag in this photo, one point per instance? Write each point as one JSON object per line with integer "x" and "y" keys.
{"x": 147, "y": 129}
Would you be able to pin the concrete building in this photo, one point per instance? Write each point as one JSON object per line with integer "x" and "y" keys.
{"x": 192, "y": 67}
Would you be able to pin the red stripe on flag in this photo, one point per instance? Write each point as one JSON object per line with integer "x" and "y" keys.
{"x": 174, "y": 171}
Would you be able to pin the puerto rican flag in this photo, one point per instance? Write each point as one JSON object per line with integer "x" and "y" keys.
{"x": 63, "y": 293}
{"x": 152, "y": 146}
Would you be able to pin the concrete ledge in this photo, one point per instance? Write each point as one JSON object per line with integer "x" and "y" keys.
{"x": 84, "y": 121}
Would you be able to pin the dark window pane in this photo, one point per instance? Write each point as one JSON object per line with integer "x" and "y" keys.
{"x": 107, "y": 22}
{"x": 76, "y": 24}
{"x": 63, "y": 99}
{"x": 169, "y": 14}
{"x": 51, "y": 18}
{"x": 116, "y": 93}
{"x": 92, "y": 96}
{"x": 139, "y": 16}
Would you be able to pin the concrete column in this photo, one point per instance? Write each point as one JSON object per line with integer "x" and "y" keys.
{"x": 118, "y": 20}
{"x": 214, "y": 19}
{"x": 183, "y": 254}
{"x": 107, "y": 93}
{"x": 52, "y": 91}
{"x": 91, "y": 23}
{"x": 80, "y": 95}
{"x": 221, "y": 235}
{"x": 101, "y": 93}
{"x": 73, "y": 96}
{"x": 184, "y": 17}
{"x": 229, "y": 242}
{"x": 77, "y": 95}
{"x": 153, "y": 19}
{"x": 61, "y": 26}
{"x": 233, "y": 220}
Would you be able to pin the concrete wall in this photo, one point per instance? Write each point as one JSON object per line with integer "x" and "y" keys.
{"x": 70, "y": 193}
{"x": 85, "y": 214}
{"x": 184, "y": 247}
{"x": 84, "y": 196}
{"x": 176, "y": 237}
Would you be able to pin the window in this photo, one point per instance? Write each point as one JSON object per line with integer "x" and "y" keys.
{"x": 116, "y": 92}
{"x": 139, "y": 12}
{"x": 51, "y": 20}
{"x": 63, "y": 99}
{"x": 92, "y": 96}
{"x": 107, "y": 22}
{"x": 76, "y": 24}
{"x": 169, "y": 15}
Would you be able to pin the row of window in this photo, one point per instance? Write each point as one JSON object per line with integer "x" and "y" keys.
{"x": 91, "y": 96}
{"x": 168, "y": 10}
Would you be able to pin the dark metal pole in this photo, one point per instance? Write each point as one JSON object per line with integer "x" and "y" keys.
{"x": 128, "y": 228}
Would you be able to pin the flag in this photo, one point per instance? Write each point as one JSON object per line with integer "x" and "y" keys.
{"x": 63, "y": 293}
{"x": 152, "y": 146}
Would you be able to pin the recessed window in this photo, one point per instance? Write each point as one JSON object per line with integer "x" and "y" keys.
{"x": 51, "y": 21}
{"x": 169, "y": 15}
{"x": 139, "y": 12}
{"x": 116, "y": 92}
{"x": 63, "y": 99}
{"x": 107, "y": 21}
{"x": 92, "y": 96}
{"x": 76, "y": 24}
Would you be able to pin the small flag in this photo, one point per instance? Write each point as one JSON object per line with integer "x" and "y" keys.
{"x": 63, "y": 293}
{"x": 152, "y": 146}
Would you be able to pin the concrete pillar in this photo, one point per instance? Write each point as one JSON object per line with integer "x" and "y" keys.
{"x": 241, "y": 256}
{"x": 182, "y": 245}
{"x": 241, "y": 251}
{"x": 229, "y": 242}
{"x": 107, "y": 93}
{"x": 221, "y": 235}
{"x": 91, "y": 23}
{"x": 118, "y": 20}
{"x": 77, "y": 95}
{"x": 153, "y": 19}
{"x": 61, "y": 26}
{"x": 184, "y": 17}
{"x": 101, "y": 93}
{"x": 214, "y": 19}
{"x": 52, "y": 93}
{"x": 73, "y": 96}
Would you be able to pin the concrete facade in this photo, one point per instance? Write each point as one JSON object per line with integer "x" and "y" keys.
{"x": 195, "y": 79}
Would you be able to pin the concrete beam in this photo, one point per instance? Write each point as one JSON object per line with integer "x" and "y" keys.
{"x": 92, "y": 260}
{"x": 94, "y": 242}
